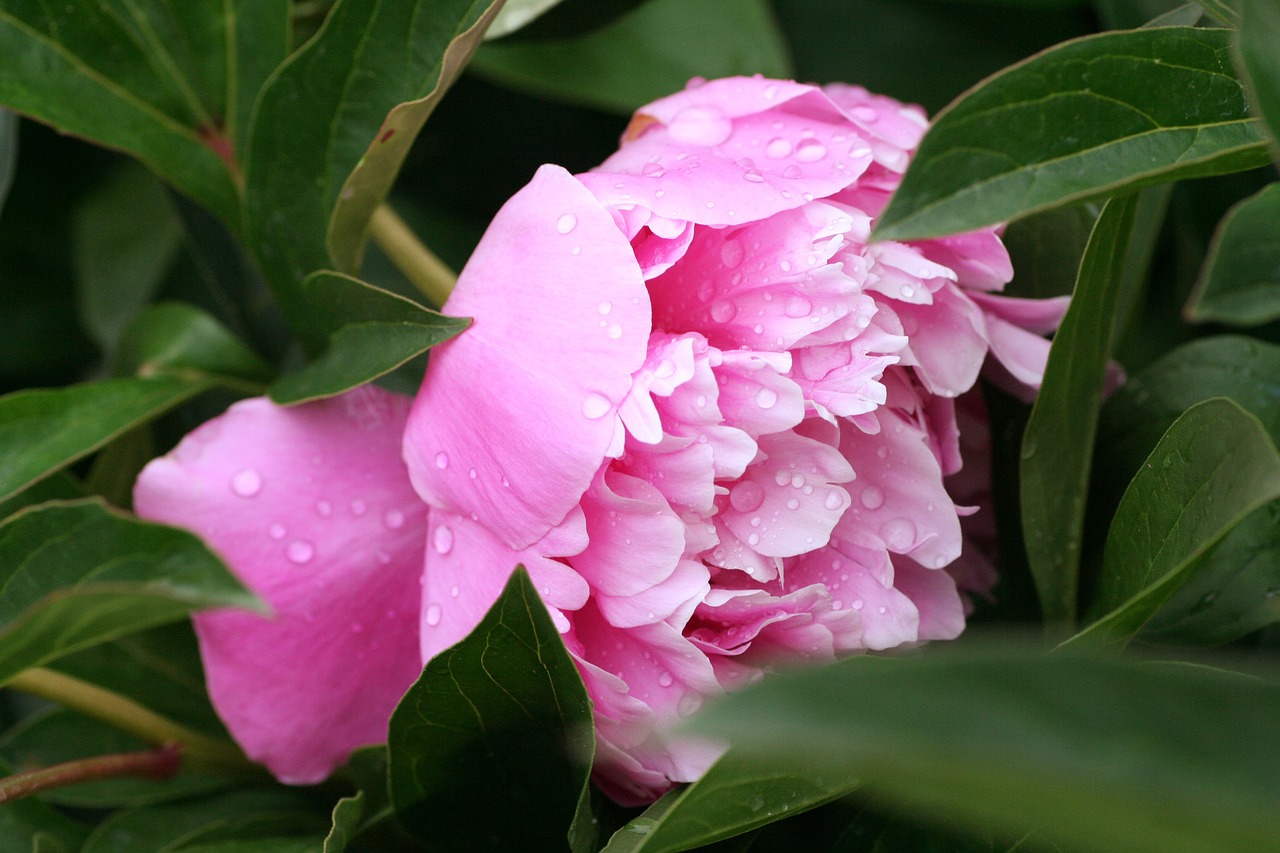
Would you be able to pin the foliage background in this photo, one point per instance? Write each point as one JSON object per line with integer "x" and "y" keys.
{"x": 154, "y": 314}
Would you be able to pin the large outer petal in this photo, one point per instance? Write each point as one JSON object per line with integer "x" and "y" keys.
{"x": 312, "y": 509}
{"x": 516, "y": 414}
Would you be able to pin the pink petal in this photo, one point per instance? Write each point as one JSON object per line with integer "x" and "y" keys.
{"x": 948, "y": 340}
{"x": 312, "y": 509}
{"x": 979, "y": 258}
{"x": 562, "y": 320}
{"x": 934, "y": 595}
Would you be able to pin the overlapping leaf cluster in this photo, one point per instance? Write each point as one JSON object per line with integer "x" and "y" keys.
{"x": 219, "y": 251}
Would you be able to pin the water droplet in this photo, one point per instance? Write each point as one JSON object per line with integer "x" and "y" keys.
{"x": 702, "y": 125}
{"x": 810, "y": 151}
{"x": 442, "y": 539}
{"x": 689, "y": 705}
{"x": 746, "y": 496}
{"x": 722, "y": 310}
{"x": 653, "y": 170}
{"x": 864, "y": 114}
{"x": 614, "y": 331}
{"x": 393, "y": 520}
{"x": 434, "y": 613}
{"x": 908, "y": 291}
{"x": 797, "y": 480}
{"x": 781, "y": 478}
{"x": 246, "y": 483}
{"x": 793, "y": 503}
{"x": 766, "y": 398}
{"x": 753, "y": 540}
{"x": 473, "y": 473}
{"x": 277, "y": 531}
{"x": 577, "y": 250}
{"x": 753, "y": 175}
{"x": 793, "y": 171}
{"x": 857, "y": 604}
{"x": 595, "y": 406}
{"x": 731, "y": 254}
{"x": 665, "y": 679}
{"x": 898, "y": 534}
{"x": 454, "y": 591}
{"x": 566, "y": 223}
{"x": 797, "y": 307}
{"x": 701, "y": 401}
{"x": 872, "y": 497}
{"x": 882, "y": 610}
{"x": 357, "y": 507}
{"x": 442, "y": 460}
{"x": 755, "y": 521}
{"x": 777, "y": 148}
{"x": 605, "y": 307}
{"x": 300, "y": 551}
{"x": 835, "y": 500}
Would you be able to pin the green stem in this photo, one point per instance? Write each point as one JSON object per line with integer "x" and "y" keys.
{"x": 200, "y": 751}
{"x": 162, "y": 763}
{"x": 427, "y": 272}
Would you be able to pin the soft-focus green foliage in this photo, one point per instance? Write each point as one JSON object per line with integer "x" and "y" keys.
{"x": 184, "y": 208}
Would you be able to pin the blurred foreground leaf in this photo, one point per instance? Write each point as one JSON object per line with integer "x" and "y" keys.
{"x": 1080, "y": 120}
{"x": 1240, "y": 282}
{"x": 1260, "y": 61}
{"x": 76, "y": 574}
{"x": 499, "y": 723}
{"x": 1099, "y": 752}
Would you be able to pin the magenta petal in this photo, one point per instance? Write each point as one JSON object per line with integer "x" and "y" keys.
{"x": 312, "y": 509}
{"x": 562, "y": 320}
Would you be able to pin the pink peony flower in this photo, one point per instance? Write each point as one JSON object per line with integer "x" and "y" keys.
{"x": 710, "y": 418}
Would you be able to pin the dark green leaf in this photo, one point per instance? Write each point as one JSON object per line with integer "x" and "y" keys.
{"x": 347, "y": 815}
{"x": 1240, "y": 281}
{"x": 29, "y": 824}
{"x": 1213, "y": 467}
{"x": 325, "y": 112}
{"x": 146, "y": 79}
{"x": 1080, "y": 120}
{"x": 258, "y": 40}
{"x": 175, "y": 339}
{"x": 76, "y": 574}
{"x": 117, "y": 467}
{"x": 1046, "y": 249}
{"x": 647, "y": 54}
{"x": 8, "y": 152}
{"x": 287, "y": 844}
{"x": 371, "y": 332}
{"x": 1098, "y": 753}
{"x": 59, "y": 487}
{"x": 58, "y": 735}
{"x": 1226, "y": 11}
{"x": 1057, "y": 447}
{"x": 44, "y": 430}
{"x": 498, "y": 724}
{"x": 736, "y": 795}
{"x": 238, "y": 816}
{"x": 1260, "y": 62}
{"x": 125, "y": 238}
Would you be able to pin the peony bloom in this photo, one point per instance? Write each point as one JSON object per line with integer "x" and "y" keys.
{"x": 707, "y": 414}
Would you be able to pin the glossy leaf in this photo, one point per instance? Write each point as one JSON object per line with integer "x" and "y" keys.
{"x": 498, "y": 724}
{"x": 44, "y": 430}
{"x": 1240, "y": 281}
{"x": 371, "y": 332}
{"x": 113, "y": 75}
{"x": 324, "y": 113}
{"x": 516, "y": 14}
{"x": 172, "y": 338}
{"x": 1081, "y": 120}
{"x": 647, "y": 54}
{"x": 1097, "y": 753}
{"x": 556, "y": 18}
{"x": 1260, "y": 62}
{"x": 1057, "y": 447}
{"x": 733, "y": 797}
{"x": 347, "y": 815}
{"x": 76, "y": 574}
{"x": 250, "y": 817}
{"x": 56, "y": 735}
{"x": 1213, "y": 467}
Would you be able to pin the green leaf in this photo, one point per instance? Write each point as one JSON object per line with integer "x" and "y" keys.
{"x": 57, "y": 735}
{"x": 341, "y": 105}
{"x": 286, "y": 844}
{"x": 371, "y": 332}
{"x": 257, "y": 33}
{"x": 645, "y": 55}
{"x": 735, "y": 796}
{"x": 1240, "y": 280}
{"x": 1226, "y": 12}
{"x": 8, "y": 152}
{"x": 543, "y": 19}
{"x": 36, "y": 826}
{"x": 59, "y": 487}
{"x": 143, "y": 78}
{"x": 1097, "y": 753}
{"x": 1057, "y": 447}
{"x": 1080, "y": 120}
{"x": 1213, "y": 467}
{"x": 176, "y": 339}
{"x": 1046, "y": 249}
{"x": 498, "y": 724}
{"x": 44, "y": 430}
{"x": 76, "y": 574}
{"x": 248, "y": 816}
{"x": 1259, "y": 62}
{"x": 347, "y": 816}
{"x": 125, "y": 238}
{"x": 516, "y": 14}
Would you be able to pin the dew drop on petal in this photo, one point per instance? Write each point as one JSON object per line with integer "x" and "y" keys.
{"x": 793, "y": 503}
{"x": 357, "y": 507}
{"x": 810, "y": 151}
{"x": 898, "y": 534}
{"x": 653, "y": 170}
{"x": 777, "y": 148}
{"x": 614, "y": 331}
{"x": 781, "y": 477}
{"x": 434, "y": 614}
{"x": 835, "y": 500}
{"x": 722, "y": 310}
{"x": 566, "y": 223}
{"x": 277, "y": 531}
{"x": 864, "y": 114}
{"x": 454, "y": 591}
{"x": 246, "y": 483}
{"x": 753, "y": 540}
{"x": 605, "y": 307}
{"x": 797, "y": 307}
{"x": 872, "y": 497}
{"x": 857, "y": 604}
{"x": 324, "y": 509}
{"x": 393, "y": 520}
{"x": 766, "y": 398}
{"x": 702, "y": 125}
{"x": 731, "y": 254}
{"x": 300, "y": 552}
{"x": 442, "y": 460}
{"x": 595, "y": 406}
{"x": 908, "y": 291}
{"x": 665, "y": 679}
{"x": 792, "y": 172}
{"x": 473, "y": 473}
{"x": 442, "y": 539}
{"x": 746, "y": 496}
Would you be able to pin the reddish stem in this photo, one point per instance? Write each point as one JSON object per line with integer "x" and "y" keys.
{"x": 160, "y": 763}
